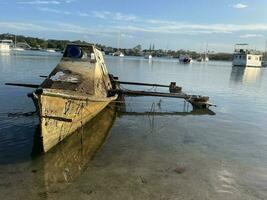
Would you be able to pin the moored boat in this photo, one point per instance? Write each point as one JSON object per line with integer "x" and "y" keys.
{"x": 74, "y": 92}
{"x": 118, "y": 53}
{"x": 244, "y": 57}
{"x": 200, "y": 59}
{"x": 5, "y": 45}
{"x": 185, "y": 59}
{"x": 148, "y": 56}
{"x": 51, "y": 50}
{"x": 18, "y": 49}
{"x": 206, "y": 59}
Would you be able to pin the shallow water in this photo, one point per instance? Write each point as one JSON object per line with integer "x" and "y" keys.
{"x": 132, "y": 154}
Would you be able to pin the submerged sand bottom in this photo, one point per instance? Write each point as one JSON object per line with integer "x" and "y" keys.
{"x": 142, "y": 163}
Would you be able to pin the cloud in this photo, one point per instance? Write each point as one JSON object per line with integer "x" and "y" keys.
{"x": 38, "y": 2}
{"x": 251, "y": 36}
{"x": 69, "y": 1}
{"x": 59, "y": 27}
{"x": 113, "y": 16}
{"x": 130, "y": 23}
{"x": 162, "y": 26}
{"x": 18, "y": 26}
{"x": 83, "y": 14}
{"x": 127, "y": 35}
{"x": 240, "y": 6}
{"x": 120, "y": 16}
{"x": 157, "y": 27}
{"x": 104, "y": 15}
{"x": 52, "y": 10}
{"x": 46, "y": 2}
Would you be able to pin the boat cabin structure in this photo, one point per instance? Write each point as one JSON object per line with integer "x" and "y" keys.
{"x": 245, "y": 57}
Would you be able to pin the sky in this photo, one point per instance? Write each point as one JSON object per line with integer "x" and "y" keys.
{"x": 168, "y": 24}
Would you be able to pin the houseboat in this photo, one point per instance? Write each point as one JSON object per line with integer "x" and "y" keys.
{"x": 245, "y": 57}
{"x": 5, "y": 45}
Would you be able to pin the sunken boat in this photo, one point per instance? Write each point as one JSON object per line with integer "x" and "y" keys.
{"x": 80, "y": 87}
{"x": 73, "y": 93}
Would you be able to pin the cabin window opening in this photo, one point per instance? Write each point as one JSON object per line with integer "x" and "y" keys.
{"x": 256, "y": 58}
{"x": 73, "y": 52}
{"x": 260, "y": 58}
{"x": 249, "y": 57}
{"x": 240, "y": 57}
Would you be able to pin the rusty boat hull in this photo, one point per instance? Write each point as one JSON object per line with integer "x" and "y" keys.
{"x": 74, "y": 93}
{"x": 60, "y": 115}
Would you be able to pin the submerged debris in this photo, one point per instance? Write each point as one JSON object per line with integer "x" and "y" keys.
{"x": 180, "y": 169}
{"x": 143, "y": 180}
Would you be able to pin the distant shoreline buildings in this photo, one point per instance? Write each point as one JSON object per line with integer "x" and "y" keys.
{"x": 33, "y": 43}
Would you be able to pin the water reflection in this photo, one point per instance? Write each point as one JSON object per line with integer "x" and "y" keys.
{"x": 246, "y": 75}
{"x": 66, "y": 161}
{"x": 5, "y": 59}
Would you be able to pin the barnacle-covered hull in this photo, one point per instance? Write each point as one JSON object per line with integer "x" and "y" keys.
{"x": 74, "y": 92}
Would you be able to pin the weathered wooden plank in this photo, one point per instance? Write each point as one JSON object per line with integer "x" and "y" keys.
{"x": 148, "y": 93}
{"x": 196, "y": 101}
{"x": 144, "y": 84}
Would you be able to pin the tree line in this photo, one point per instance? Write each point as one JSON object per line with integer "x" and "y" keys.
{"x": 38, "y": 43}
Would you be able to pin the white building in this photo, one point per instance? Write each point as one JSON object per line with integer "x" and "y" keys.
{"x": 246, "y": 58}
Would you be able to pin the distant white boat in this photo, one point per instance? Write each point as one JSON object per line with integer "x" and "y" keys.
{"x": 18, "y": 49}
{"x": 206, "y": 59}
{"x": 200, "y": 59}
{"x": 15, "y": 47}
{"x": 148, "y": 57}
{"x": 206, "y": 56}
{"x": 244, "y": 57}
{"x": 51, "y": 50}
{"x": 185, "y": 59}
{"x": 118, "y": 53}
{"x": 5, "y": 45}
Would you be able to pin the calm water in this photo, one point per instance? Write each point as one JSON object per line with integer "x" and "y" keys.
{"x": 133, "y": 155}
